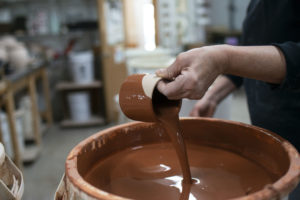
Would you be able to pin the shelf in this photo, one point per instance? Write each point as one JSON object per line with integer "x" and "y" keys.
{"x": 94, "y": 121}
{"x": 77, "y": 33}
{"x": 3, "y": 87}
{"x": 78, "y": 86}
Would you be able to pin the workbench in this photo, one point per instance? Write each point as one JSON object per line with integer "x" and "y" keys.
{"x": 8, "y": 88}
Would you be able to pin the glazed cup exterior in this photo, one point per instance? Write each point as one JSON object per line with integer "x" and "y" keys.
{"x": 135, "y": 97}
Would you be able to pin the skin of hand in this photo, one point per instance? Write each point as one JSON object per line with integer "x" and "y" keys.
{"x": 204, "y": 108}
{"x": 194, "y": 71}
{"x": 207, "y": 105}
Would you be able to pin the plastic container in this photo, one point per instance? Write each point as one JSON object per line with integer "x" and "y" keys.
{"x": 251, "y": 142}
{"x": 82, "y": 67}
{"x": 26, "y": 107}
{"x": 7, "y": 141}
{"x": 79, "y": 103}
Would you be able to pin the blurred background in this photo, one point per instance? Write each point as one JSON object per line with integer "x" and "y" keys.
{"x": 62, "y": 63}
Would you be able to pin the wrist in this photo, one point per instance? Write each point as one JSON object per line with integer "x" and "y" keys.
{"x": 211, "y": 95}
{"x": 221, "y": 87}
{"x": 220, "y": 56}
{"x": 225, "y": 54}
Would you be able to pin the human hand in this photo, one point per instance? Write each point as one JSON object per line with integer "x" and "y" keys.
{"x": 192, "y": 72}
{"x": 207, "y": 106}
{"x": 204, "y": 108}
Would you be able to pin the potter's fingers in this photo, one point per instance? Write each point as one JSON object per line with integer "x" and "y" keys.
{"x": 172, "y": 71}
{"x": 180, "y": 95}
{"x": 169, "y": 73}
{"x": 177, "y": 96}
{"x": 210, "y": 113}
{"x": 161, "y": 85}
{"x": 166, "y": 88}
{"x": 194, "y": 112}
{"x": 173, "y": 89}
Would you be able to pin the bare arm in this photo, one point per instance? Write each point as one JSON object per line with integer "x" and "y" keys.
{"x": 265, "y": 63}
{"x": 220, "y": 89}
{"x": 194, "y": 71}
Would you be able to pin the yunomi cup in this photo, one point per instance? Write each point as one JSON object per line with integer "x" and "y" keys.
{"x": 136, "y": 97}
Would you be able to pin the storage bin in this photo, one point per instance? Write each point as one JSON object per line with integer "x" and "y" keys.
{"x": 79, "y": 104}
{"x": 81, "y": 64}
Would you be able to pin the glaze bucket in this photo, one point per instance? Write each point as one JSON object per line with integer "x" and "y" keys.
{"x": 269, "y": 150}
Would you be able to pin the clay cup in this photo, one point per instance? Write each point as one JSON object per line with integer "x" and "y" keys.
{"x": 137, "y": 94}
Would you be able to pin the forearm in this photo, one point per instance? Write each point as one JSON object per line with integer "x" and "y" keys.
{"x": 220, "y": 89}
{"x": 265, "y": 63}
{"x": 194, "y": 71}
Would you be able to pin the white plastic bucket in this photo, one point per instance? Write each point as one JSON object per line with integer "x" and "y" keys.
{"x": 82, "y": 67}
{"x": 79, "y": 106}
{"x": 25, "y": 105}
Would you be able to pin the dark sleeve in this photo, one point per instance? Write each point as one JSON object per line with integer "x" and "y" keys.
{"x": 236, "y": 80}
{"x": 291, "y": 52}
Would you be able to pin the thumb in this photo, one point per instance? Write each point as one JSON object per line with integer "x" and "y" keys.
{"x": 169, "y": 73}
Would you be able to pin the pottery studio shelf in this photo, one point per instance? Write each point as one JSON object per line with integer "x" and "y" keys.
{"x": 67, "y": 86}
{"x": 94, "y": 121}
{"x": 94, "y": 89}
{"x": 27, "y": 80}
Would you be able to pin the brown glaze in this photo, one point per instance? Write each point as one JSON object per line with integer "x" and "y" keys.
{"x": 155, "y": 108}
{"x": 151, "y": 172}
{"x": 167, "y": 113}
{"x": 257, "y": 146}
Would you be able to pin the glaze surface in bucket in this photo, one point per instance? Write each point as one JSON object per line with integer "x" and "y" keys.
{"x": 150, "y": 172}
{"x": 276, "y": 171}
